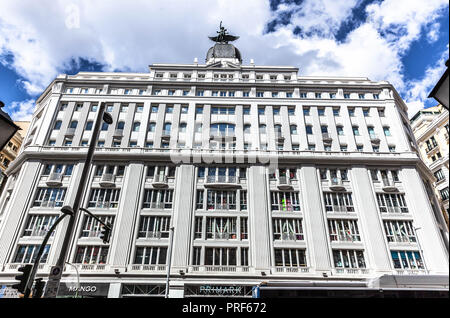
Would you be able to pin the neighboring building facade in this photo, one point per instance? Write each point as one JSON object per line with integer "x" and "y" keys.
{"x": 264, "y": 175}
{"x": 11, "y": 149}
{"x": 430, "y": 126}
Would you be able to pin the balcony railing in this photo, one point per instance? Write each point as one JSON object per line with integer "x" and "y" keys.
{"x": 54, "y": 179}
{"x": 284, "y": 183}
{"x": 327, "y": 137}
{"x": 51, "y": 204}
{"x": 336, "y": 184}
{"x": 160, "y": 181}
{"x": 151, "y": 268}
{"x": 340, "y": 209}
{"x": 153, "y": 234}
{"x": 393, "y": 209}
{"x": 107, "y": 180}
{"x": 223, "y": 206}
{"x": 374, "y": 138}
{"x": 157, "y": 205}
{"x": 287, "y": 269}
{"x": 388, "y": 185}
{"x": 352, "y": 271}
{"x": 410, "y": 271}
{"x": 221, "y": 179}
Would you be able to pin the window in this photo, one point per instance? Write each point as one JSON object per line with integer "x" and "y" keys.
{"x": 287, "y": 229}
{"x": 336, "y": 112}
{"x": 49, "y": 197}
{"x": 351, "y": 112}
{"x": 151, "y": 255}
{"x": 340, "y": 130}
{"x": 361, "y": 96}
{"x": 124, "y": 108}
{"x": 28, "y": 253}
{"x": 289, "y": 95}
{"x": 104, "y": 198}
{"x": 109, "y": 108}
{"x": 91, "y": 255}
{"x": 291, "y": 257}
{"x": 439, "y": 175}
{"x": 154, "y": 109}
{"x": 136, "y": 126}
{"x": 392, "y": 203}
{"x": 92, "y": 228}
{"x": 94, "y": 108}
{"x": 38, "y": 225}
{"x": 78, "y": 107}
{"x": 359, "y": 148}
{"x": 387, "y": 132}
{"x": 321, "y": 111}
{"x": 89, "y": 125}
{"x": 157, "y": 92}
{"x": 141, "y": 92}
{"x": 199, "y": 110}
{"x": 293, "y": 129}
{"x": 391, "y": 148}
{"x": 182, "y": 127}
{"x": 311, "y": 147}
{"x": 154, "y": 227}
{"x": 221, "y": 200}
{"x": 261, "y": 110}
{"x": 133, "y": 143}
{"x": 338, "y": 202}
{"x": 332, "y": 95}
{"x": 407, "y": 260}
{"x": 151, "y": 127}
{"x": 220, "y": 256}
{"x": 247, "y": 129}
{"x": 444, "y": 194}
{"x": 343, "y": 147}
{"x": 274, "y": 94}
{"x": 400, "y": 231}
{"x": 366, "y": 112}
{"x": 262, "y": 129}
{"x": 303, "y": 95}
{"x": 355, "y": 130}
{"x": 381, "y": 112}
{"x": 67, "y": 141}
{"x": 57, "y": 125}
{"x": 346, "y": 96}
{"x": 342, "y": 230}
{"x": 246, "y": 110}
{"x": 306, "y": 111}
{"x": 259, "y": 94}
{"x": 309, "y": 130}
{"x": 169, "y": 109}
{"x": 184, "y": 109}
{"x": 349, "y": 259}
{"x": 157, "y": 199}
{"x": 245, "y": 94}
{"x": 276, "y": 111}
{"x": 104, "y": 126}
{"x": 139, "y": 108}
{"x": 73, "y": 124}
{"x": 284, "y": 201}
{"x": 221, "y": 228}
{"x": 291, "y": 111}
{"x": 318, "y": 95}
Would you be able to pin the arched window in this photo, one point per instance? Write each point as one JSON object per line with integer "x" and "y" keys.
{"x": 136, "y": 126}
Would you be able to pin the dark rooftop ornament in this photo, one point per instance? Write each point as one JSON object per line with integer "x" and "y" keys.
{"x": 223, "y": 36}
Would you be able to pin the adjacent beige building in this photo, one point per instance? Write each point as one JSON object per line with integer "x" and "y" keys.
{"x": 430, "y": 127}
{"x": 11, "y": 150}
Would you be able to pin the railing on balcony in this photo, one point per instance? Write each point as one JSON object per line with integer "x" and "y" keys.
{"x": 345, "y": 238}
{"x": 393, "y": 209}
{"x": 401, "y": 239}
{"x": 70, "y": 132}
{"x": 284, "y": 183}
{"x": 118, "y": 133}
{"x": 287, "y": 269}
{"x": 352, "y": 271}
{"x": 219, "y": 268}
{"x": 410, "y": 271}
{"x": 388, "y": 185}
{"x": 152, "y": 268}
{"x": 157, "y": 205}
{"x": 107, "y": 180}
{"x": 54, "y": 179}
{"x": 327, "y": 137}
{"x": 336, "y": 184}
{"x": 340, "y": 209}
{"x": 92, "y": 267}
{"x": 153, "y": 234}
{"x": 90, "y": 233}
{"x": 221, "y": 206}
{"x": 430, "y": 149}
{"x": 160, "y": 181}
{"x": 165, "y": 134}
{"x": 51, "y": 204}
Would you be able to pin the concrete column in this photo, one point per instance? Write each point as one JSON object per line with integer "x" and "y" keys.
{"x": 81, "y": 123}
{"x": 123, "y": 233}
{"x": 435, "y": 253}
{"x": 348, "y": 131}
{"x": 301, "y": 127}
{"x": 258, "y": 218}
{"x": 15, "y": 215}
{"x": 239, "y": 129}
{"x": 127, "y": 130}
{"x": 183, "y": 216}
{"x": 314, "y": 220}
{"x": 374, "y": 237}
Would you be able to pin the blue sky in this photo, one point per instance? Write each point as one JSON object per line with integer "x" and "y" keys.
{"x": 402, "y": 41}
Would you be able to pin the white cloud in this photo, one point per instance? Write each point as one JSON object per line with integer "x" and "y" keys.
{"x": 45, "y": 36}
{"x": 419, "y": 90}
{"x": 22, "y": 111}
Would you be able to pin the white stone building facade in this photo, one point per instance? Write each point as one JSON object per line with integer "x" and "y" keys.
{"x": 265, "y": 175}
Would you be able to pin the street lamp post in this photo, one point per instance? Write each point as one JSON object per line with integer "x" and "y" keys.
{"x": 56, "y": 271}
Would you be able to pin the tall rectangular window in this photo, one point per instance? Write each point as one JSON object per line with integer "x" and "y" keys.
{"x": 287, "y": 229}
{"x": 49, "y": 197}
{"x": 91, "y": 254}
{"x": 284, "y": 201}
{"x": 349, "y": 259}
{"x": 154, "y": 227}
{"x": 157, "y": 199}
{"x": 104, "y": 198}
{"x": 151, "y": 255}
{"x": 290, "y": 257}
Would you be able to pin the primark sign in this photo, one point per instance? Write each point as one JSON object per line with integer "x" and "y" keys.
{"x": 217, "y": 290}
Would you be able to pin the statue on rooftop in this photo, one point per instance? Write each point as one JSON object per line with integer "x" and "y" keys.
{"x": 223, "y": 36}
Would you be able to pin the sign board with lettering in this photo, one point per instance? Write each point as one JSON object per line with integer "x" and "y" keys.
{"x": 218, "y": 290}
{"x": 84, "y": 290}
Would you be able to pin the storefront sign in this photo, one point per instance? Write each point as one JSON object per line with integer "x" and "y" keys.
{"x": 85, "y": 289}
{"x": 217, "y": 290}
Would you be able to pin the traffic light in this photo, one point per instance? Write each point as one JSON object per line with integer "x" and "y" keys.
{"x": 23, "y": 278}
{"x": 38, "y": 288}
{"x": 106, "y": 233}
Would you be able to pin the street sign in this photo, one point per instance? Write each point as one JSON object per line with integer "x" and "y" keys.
{"x": 51, "y": 290}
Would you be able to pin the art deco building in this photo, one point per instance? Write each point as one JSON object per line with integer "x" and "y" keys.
{"x": 265, "y": 175}
{"x": 430, "y": 126}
